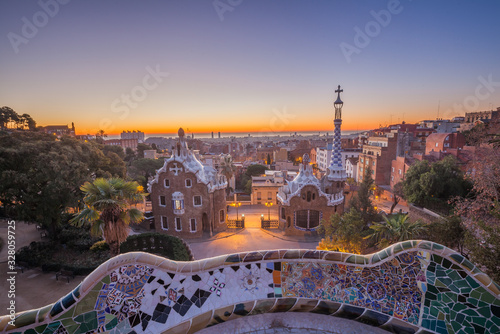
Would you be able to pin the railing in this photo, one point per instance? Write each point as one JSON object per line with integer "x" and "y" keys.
{"x": 236, "y": 223}
{"x": 269, "y": 223}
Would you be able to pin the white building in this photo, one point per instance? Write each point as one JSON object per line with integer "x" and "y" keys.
{"x": 323, "y": 157}
{"x": 351, "y": 168}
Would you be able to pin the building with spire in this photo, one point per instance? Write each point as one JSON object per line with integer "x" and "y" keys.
{"x": 188, "y": 199}
{"x": 306, "y": 200}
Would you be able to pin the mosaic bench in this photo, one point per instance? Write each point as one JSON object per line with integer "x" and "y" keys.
{"x": 409, "y": 287}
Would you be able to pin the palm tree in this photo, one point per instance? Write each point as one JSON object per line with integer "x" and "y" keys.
{"x": 227, "y": 169}
{"x": 395, "y": 229}
{"x": 107, "y": 209}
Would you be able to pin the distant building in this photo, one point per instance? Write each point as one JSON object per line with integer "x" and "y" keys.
{"x": 188, "y": 199}
{"x": 59, "y": 130}
{"x": 351, "y": 168}
{"x": 280, "y": 154}
{"x": 150, "y": 154}
{"x": 265, "y": 188}
{"x": 323, "y": 156}
{"x": 474, "y": 118}
{"x": 377, "y": 155}
{"x": 139, "y": 135}
{"x": 441, "y": 125}
{"x": 441, "y": 142}
{"x": 124, "y": 143}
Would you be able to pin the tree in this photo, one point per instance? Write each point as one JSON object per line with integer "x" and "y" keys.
{"x": 343, "y": 234}
{"x": 435, "y": 184}
{"x": 480, "y": 211}
{"x": 449, "y": 232}
{"x": 227, "y": 169}
{"x": 129, "y": 155}
{"x": 141, "y": 147}
{"x": 40, "y": 176}
{"x": 115, "y": 149}
{"x": 395, "y": 229}
{"x": 141, "y": 169}
{"x": 268, "y": 161}
{"x": 252, "y": 170}
{"x": 397, "y": 194}
{"x": 100, "y": 135}
{"x": 362, "y": 201}
{"x": 9, "y": 117}
{"x": 107, "y": 209}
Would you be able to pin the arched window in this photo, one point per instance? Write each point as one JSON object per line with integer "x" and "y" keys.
{"x": 308, "y": 196}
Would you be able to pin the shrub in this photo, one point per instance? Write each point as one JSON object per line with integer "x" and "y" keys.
{"x": 36, "y": 254}
{"x": 156, "y": 243}
{"x": 100, "y": 246}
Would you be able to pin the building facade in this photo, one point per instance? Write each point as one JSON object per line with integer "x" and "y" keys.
{"x": 265, "y": 188}
{"x": 188, "y": 199}
{"x": 377, "y": 156}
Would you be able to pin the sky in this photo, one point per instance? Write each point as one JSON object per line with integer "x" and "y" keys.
{"x": 247, "y": 65}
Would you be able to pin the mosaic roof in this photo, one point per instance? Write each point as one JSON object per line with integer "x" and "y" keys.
{"x": 413, "y": 286}
{"x": 185, "y": 158}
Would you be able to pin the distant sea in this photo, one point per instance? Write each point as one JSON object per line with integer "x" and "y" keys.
{"x": 243, "y": 134}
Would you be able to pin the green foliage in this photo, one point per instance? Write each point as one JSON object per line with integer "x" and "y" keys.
{"x": 394, "y": 229}
{"x": 484, "y": 246}
{"x": 156, "y": 243}
{"x": 141, "y": 169}
{"x": 252, "y": 170}
{"x": 343, "y": 234}
{"x": 118, "y": 150}
{"x": 362, "y": 201}
{"x": 37, "y": 253}
{"x": 107, "y": 209}
{"x": 100, "y": 246}
{"x": 449, "y": 232}
{"x": 16, "y": 121}
{"x": 141, "y": 147}
{"x": 433, "y": 185}
{"x": 40, "y": 176}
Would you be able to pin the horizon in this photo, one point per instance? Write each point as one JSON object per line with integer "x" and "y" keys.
{"x": 245, "y": 66}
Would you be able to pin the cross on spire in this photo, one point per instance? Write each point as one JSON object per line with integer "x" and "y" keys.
{"x": 176, "y": 169}
{"x": 339, "y": 91}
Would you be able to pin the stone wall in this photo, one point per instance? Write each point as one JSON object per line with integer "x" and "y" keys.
{"x": 410, "y": 287}
{"x": 423, "y": 214}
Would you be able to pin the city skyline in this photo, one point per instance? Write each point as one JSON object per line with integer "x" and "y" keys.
{"x": 241, "y": 66}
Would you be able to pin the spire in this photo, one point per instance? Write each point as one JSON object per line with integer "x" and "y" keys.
{"x": 336, "y": 170}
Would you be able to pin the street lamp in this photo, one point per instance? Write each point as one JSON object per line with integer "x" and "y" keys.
{"x": 269, "y": 205}
{"x": 236, "y": 205}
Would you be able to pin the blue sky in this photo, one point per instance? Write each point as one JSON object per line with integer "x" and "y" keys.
{"x": 265, "y": 65}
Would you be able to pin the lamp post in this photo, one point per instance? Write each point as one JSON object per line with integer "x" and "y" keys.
{"x": 269, "y": 205}
{"x": 236, "y": 205}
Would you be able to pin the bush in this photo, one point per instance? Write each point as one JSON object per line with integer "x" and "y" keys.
{"x": 100, "y": 246}
{"x": 156, "y": 243}
{"x": 36, "y": 254}
{"x": 76, "y": 238}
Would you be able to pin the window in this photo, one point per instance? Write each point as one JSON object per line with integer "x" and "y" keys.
{"x": 392, "y": 177}
{"x": 259, "y": 196}
{"x": 437, "y": 144}
{"x": 393, "y": 169}
{"x": 283, "y": 215}
{"x": 314, "y": 196}
{"x": 399, "y": 171}
{"x": 188, "y": 183}
{"x": 197, "y": 200}
{"x": 162, "y": 201}
{"x": 222, "y": 216}
{"x": 164, "y": 223}
{"x": 178, "y": 225}
{"x": 269, "y": 195}
{"x": 178, "y": 203}
{"x": 361, "y": 160}
{"x": 192, "y": 225}
{"x": 167, "y": 183}
{"x": 307, "y": 219}
{"x": 373, "y": 163}
{"x": 308, "y": 196}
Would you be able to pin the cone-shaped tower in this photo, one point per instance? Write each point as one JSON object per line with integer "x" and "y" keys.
{"x": 336, "y": 171}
